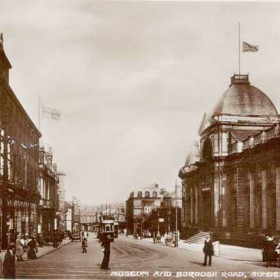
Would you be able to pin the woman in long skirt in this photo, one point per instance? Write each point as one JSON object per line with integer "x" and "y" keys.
{"x": 32, "y": 249}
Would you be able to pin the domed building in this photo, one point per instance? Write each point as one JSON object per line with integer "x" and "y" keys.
{"x": 231, "y": 178}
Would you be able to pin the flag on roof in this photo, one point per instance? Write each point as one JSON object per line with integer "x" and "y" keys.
{"x": 48, "y": 112}
{"x": 249, "y": 48}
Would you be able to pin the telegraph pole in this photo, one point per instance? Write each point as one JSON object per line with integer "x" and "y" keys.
{"x": 73, "y": 207}
{"x": 176, "y": 220}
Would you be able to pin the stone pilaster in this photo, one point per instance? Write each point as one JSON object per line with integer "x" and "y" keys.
{"x": 191, "y": 208}
{"x": 251, "y": 176}
{"x": 196, "y": 205}
{"x": 277, "y": 194}
{"x": 187, "y": 205}
{"x": 240, "y": 195}
{"x": 216, "y": 199}
{"x": 224, "y": 201}
{"x": 264, "y": 198}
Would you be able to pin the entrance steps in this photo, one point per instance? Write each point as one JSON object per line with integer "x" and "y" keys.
{"x": 198, "y": 238}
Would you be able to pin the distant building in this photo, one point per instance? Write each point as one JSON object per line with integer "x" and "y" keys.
{"x": 87, "y": 218}
{"x": 231, "y": 179}
{"x": 140, "y": 203}
{"x": 68, "y": 209}
{"x": 48, "y": 185}
{"x": 62, "y": 217}
{"x": 172, "y": 198}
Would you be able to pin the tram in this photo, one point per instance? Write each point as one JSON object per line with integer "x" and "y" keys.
{"x": 107, "y": 226}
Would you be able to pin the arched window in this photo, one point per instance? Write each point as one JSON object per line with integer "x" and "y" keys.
{"x": 147, "y": 194}
{"x": 139, "y": 194}
{"x": 154, "y": 194}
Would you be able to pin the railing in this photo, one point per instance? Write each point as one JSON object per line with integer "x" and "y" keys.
{"x": 271, "y": 133}
{"x": 258, "y": 139}
{"x": 246, "y": 144}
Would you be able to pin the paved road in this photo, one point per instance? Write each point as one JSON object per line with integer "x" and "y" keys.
{"x": 135, "y": 257}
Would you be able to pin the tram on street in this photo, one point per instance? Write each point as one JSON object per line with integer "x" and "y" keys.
{"x": 107, "y": 226}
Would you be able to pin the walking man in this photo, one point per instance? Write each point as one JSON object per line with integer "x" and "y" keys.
{"x": 9, "y": 265}
{"x": 208, "y": 251}
{"x": 106, "y": 240}
{"x": 84, "y": 245}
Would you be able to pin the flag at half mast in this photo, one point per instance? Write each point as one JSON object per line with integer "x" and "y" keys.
{"x": 51, "y": 113}
{"x": 249, "y": 48}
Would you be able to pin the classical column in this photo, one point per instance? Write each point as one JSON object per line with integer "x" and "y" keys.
{"x": 264, "y": 199}
{"x": 196, "y": 205}
{"x": 277, "y": 194}
{"x": 216, "y": 199}
{"x": 224, "y": 201}
{"x": 191, "y": 209}
{"x": 240, "y": 181}
{"x": 252, "y": 199}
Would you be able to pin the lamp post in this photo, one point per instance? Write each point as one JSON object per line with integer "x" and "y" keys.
{"x": 73, "y": 216}
{"x": 158, "y": 224}
{"x": 176, "y": 219}
{"x": 80, "y": 228}
{"x": 141, "y": 222}
{"x": 169, "y": 212}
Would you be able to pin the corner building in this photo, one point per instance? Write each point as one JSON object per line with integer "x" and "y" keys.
{"x": 231, "y": 178}
{"x": 19, "y": 155}
{"x": 140, "y": 204}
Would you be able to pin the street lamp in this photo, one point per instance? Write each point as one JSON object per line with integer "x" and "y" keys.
{"x": 158, "y": 224}
{"x": 169, "y": 213}
{"x": 176, "y": 219}
{"x": 141, "y": 222}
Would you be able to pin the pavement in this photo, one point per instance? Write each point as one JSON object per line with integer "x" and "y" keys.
{"x": 45, "y": 250}
{"x": 220, "y": 250}
{"x": 42, "y": 251}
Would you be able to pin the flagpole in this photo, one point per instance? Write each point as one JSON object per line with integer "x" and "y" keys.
{"x": 239, "y": 44}
{"x": 39, "y": 112}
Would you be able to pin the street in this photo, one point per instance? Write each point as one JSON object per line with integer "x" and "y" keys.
{"x": 136, "y": 259}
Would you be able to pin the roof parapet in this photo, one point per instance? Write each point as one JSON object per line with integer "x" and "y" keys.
{"x": 240, "y": 79}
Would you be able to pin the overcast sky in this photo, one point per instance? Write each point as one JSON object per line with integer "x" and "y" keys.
{"x": 132, "y": 80}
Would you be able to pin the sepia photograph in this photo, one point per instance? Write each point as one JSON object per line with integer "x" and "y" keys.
{"x": 139, "y": 140}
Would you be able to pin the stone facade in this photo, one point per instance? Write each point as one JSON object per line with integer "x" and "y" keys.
{"x": 140, "y": 204}
{"x": 48, "y": 185}
{"x": 19, "y": 156}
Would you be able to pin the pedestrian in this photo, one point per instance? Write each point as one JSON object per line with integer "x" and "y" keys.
{"x": 19, "y": 248}
{"x": 55, "y": 239}
{"x": 39, "y": 239}
{"x": 208, "y": 250}
{"x": 9, "y": 264}
{"x": 269, "y": 250}
{"x": 32, "y": 244}
{"x": 84, "y": 245}
{"x": 106, "y": 240}
{"x": 154, "y": 237}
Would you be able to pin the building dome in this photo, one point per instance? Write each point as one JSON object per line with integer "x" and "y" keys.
{"x": 243, "y": 99}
